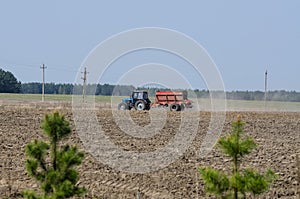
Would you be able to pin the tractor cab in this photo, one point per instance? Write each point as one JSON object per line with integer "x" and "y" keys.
{"x": 140, "y": 95}
{"x": 138, "y": 100}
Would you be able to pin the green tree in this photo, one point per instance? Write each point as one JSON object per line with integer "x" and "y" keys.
{"x": 8, "y": 82}
{"x": 55, "y": 173}
{"x": 239, "y": 182}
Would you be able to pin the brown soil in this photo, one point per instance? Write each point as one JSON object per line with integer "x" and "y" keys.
{"x": 277, "y": 136}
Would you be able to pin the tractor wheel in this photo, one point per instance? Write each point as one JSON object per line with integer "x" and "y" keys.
{"x": 123, "y": 106}
{"x": 174, "y": 107}
{"x": 140, "y": 105}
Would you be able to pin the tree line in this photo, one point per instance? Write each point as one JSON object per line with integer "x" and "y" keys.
{"x": 10, "y": 84}
{"x": 68, "y": 89}
{"x": 125, "y": 90}
{"x": 277, "y": 95}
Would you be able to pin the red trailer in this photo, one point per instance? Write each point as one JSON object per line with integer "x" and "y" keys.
{"x": 176, "y": 101}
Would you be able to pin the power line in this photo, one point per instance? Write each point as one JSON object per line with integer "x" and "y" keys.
{"x": 54, "y": 67}
{"x": 18, "y": 65}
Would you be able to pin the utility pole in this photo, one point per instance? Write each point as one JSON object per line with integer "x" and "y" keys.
{"x": 84, "y": 84}
{"x": 43, "y": 85}
{"x": 266, "y": 80}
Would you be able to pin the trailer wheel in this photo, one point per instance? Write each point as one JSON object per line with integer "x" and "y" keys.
{"x": 140, "y": 105}
{"x": 123, "y": 106}
{"x": 174, "y": 107}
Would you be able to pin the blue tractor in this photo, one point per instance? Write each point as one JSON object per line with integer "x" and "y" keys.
{"x": 138, "y": 100}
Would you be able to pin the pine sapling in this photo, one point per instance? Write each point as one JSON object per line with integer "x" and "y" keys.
{"x": 56, "y": 174}
{"x": 239, "y": 182}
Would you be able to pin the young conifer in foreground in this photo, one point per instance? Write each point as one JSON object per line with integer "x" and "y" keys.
{"x": 239, "y": 182}
{"x": 55, "y": 173}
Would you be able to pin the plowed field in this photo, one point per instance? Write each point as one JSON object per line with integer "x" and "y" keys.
{"x": 276, "y": 133}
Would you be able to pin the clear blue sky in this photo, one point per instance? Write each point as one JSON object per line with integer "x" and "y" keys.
{"x": 243, "y": 38}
